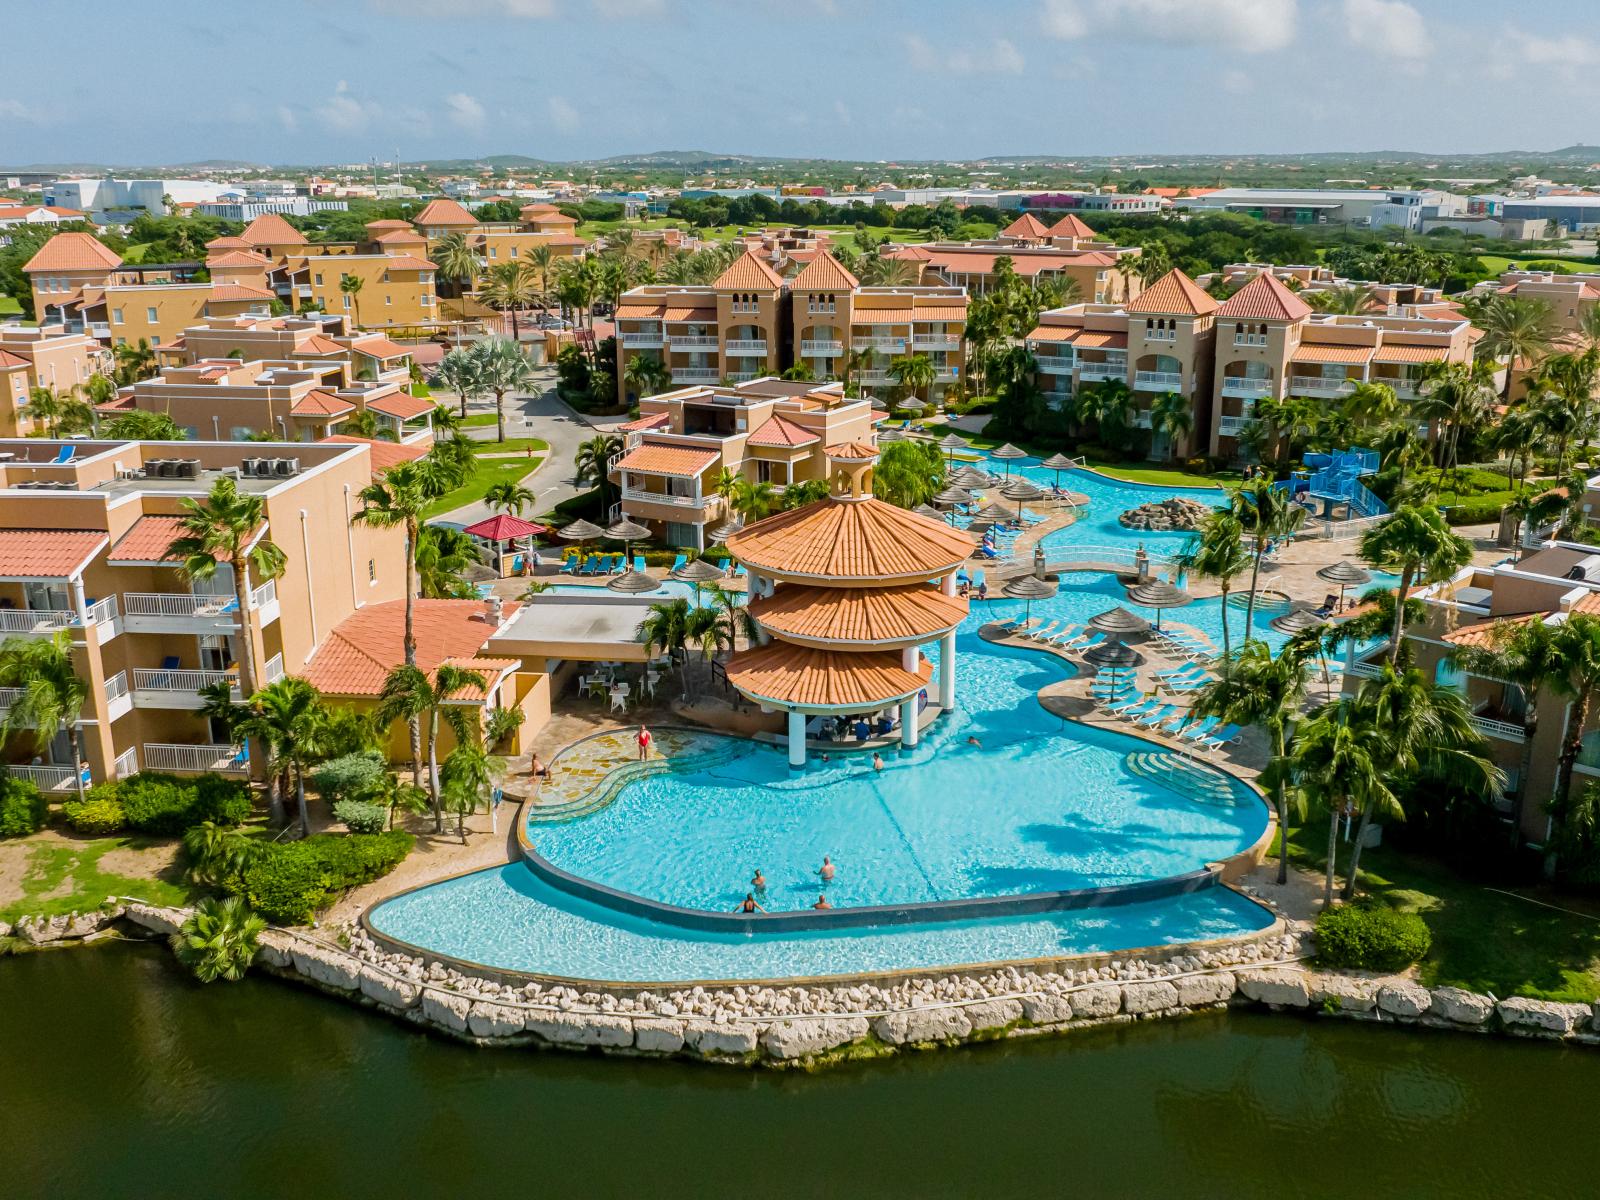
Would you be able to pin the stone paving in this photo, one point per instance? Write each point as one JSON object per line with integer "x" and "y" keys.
{"x": 590, "y": 772}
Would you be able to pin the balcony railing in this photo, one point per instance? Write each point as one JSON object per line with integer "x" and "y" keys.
{"x": 274, "y": 671}
{"x": 117, "y": 686}
{"x": 176, "y": 604}
{"x": 653, "y": 497}
{"x": 167, "y": 756}
{"x": 1157, "y": 381}
{"x": 935, "y": 341}
{"x": 36, "y": 620}
{"x": 126, "y": 763}
{"x": 1238, "y": 385}
{"x": 692, "y": 341}
{"x": 161, "y": 680}
{"x": 1108, "y": 369}
{"x": 265, "y": 594}
{"x": 46, "y": 778}
{"x": 1230, "y": 426}
{"x": 1508, "y": 731}
{"x": 878, "y": 343}
{"x": 1249, "y": 339}
{"x": 821, "y": 348}
{"x": 8, "y": 697}
{"x": 644, "y": 338}
{"x": 1317, "y": 385}
{"x": 695, "y": 375}
{"x": 746, "y": 346}
{"x": 1054, "y": 364}
{"x": 945, "y": 373}
{"x": 876, "y": 377}
{"x": 99, "y": 329}
{"x": 1160, "y": 335}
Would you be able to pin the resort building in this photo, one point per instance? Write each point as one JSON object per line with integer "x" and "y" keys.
{"x": 34, "y": 356}
{"x": 845, "y": 593}
{"x": 540, "y": 225}
{"x": 753, "y": 323}
{"x": 85, "y": 528}
{"x": 766, "y": 431}
{"x": 1100, "y": 272}
{"x": 315, "y": 339}
{"x": 1570, "y": 297}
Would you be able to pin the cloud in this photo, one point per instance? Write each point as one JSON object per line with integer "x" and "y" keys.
{"x": 1001, "y": 57}
{"x": 563, "y": 116}
{"x": 1391, "y": 28}
{"x": 287, "y": 118}
{"x": 532, "y": 10}
{"x": 343, "y": 112}
{"x": 841, "y": 110}
{"x": 629, "y": 10}
{"x": 1235, "y": 81}
{"x": 464, "y": 111}
{"x": 1253, "y": 26}
{"x": 16, "y": 110}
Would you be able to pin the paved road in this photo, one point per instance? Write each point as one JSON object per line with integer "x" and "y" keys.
{"x": 542, "y": 416}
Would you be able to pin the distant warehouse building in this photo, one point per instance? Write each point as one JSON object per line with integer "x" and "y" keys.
{"x": 238, "y": 208}
{"x": 1574, "y": 214}
{"x": 1364, "y": 207}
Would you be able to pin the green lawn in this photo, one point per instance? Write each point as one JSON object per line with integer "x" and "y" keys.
{"x": 478, "y": 421}
{"x": 10, "y": 306}
{"x": 72, "y": 876}
{"x": 1146, "y": 472}
{"x": 1483, "y": 940}
{"x": 489, "y": 471}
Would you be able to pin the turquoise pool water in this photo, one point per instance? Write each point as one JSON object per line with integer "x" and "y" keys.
{"x": 506, "y": 917}
{"x": 670, "y": 589}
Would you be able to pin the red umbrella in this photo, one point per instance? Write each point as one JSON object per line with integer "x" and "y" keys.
{"x": 503, "y": 527}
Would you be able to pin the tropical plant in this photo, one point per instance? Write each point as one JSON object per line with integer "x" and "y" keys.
{"x": 214, "y": 852}
{"x": 350, "y": 286}
{"x": 646, "y": 374}
{"x": 1416, "y": 542}
{"x": 1338, "y": 766}
{"x": 509, "y": 496}
{"x": 219, "y": 939}
{"x": 1458, "y": 398}
{"x": 593, "y": 462}
{"x": 50, "y": 694}
{"x": 468, "y": 779}
{"x": 1351, "y": 300}
{"x": 1517, "y": 329}
{"x": 510, "y": 288}
{"x": 908, "y": 473}
{"x": 137, "y": 425}
{"x": 914, "y": 372}
{"x": 134, "y": 361}
{"x": 807, "y": 491}
{"x": 502, "y": 367}
{"x": 1266, "y": 513}
{"x": 444, "y": 556}
{"x": 456, "y": 258}
{"x": 1172, "y": 414}
{"x": 288, "y": 715}
{"x": 666, "y": 628}
{"x": 752, "y": 501}
{"x": 408, "y": 694}
{"x": 1217, "y": 551}
{"x": 458, "y": 371}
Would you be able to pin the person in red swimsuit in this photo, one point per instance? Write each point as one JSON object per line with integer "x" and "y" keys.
{"x": 644, "y": 743}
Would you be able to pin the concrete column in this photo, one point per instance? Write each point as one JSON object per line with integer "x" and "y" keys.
{"x": 908, "y": 658}
{"x": 797, "y": 738}
{"x": 80, "y": 602}
{"x": 908, "y": 723}
{"x": 947, "y": 585}
{"x": 947, "y": 671}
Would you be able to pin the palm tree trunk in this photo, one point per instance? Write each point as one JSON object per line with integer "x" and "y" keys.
{"x": 77, "y": 758}
{"x": 500, "y": 416}
{"x": 1355, "y": 854}
{"x": 1255, "y": 576}
{"x": 1227, "y": 648}
{"x": 1400, "y": 612}
{"x": 275, "y": 813}
{"x": 433, "y": 770}
{"x": 300, "y": 799}
{"x": 1571, "y": 747}
{"x": 1333, "y": 849}
{"x": 1280, "y": 802}
{"x": 247, "y": 638}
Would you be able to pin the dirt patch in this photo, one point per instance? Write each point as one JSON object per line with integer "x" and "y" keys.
{"x": 13, "y": 867}
{"x": 140, "y": 863}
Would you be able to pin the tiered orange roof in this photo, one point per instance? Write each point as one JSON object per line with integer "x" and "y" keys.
{"x": 823, "y": 678}
{"x": 861, "y": 541}
{"x": 73, "y": 252}
{"x": 384, "y": 454}
{"x": 684, "y": 461}
{"x": 1173, "y": 295}
{"x": 749, "y": 274}
{"x": 321, "y": 404}
{"x": 1071, "y": 226}
{"x": 825, "y": 273}
{"x": 911, "y": 613}
{"x": 858, "y": 451}
{"x": 652, "y": 421}
{"x": 1265, "y": 298}
{"x": 316, "y": 344}
{"x": 1388, "y": 353}
{"x": 269, "y": 229}
{"x": 147, "y": 541}
{"x": 444, "y": 212}
{"x": 402, "y": 405}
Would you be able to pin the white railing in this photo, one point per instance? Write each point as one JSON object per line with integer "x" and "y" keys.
{"x": 176, "y": 604}
{"x": 102, "y": 610}
{"x": 126, "y": 763}
{"x": 8, "y": 697}
{"x": 1238, "y": 385}
{"x": 265, "y": 594}
{"x": 1249, "y": 339}
{"x": 876, "y": 377}
{"x": 1505, "y": 730}
{"x": 1158, "y": 381}
{"x": 1140, "y": 419}
{"x": 1231, "y": 426}
{"x": 945, "y": 372}
{"x": 48, "y": 779}
{"x": 1053, "y": 364}
{"x": 695, "y": 375}
{"x": 691, "y": 341}
{"x": 1160, "y": 335}
{"x": 642, "y": 338}
{"x": 167, "y": 756}
{"x": 1364, "y": 670}
{"x": 117, "y": 686}
{"x": 1110, "y": 369}
{"x": 652, "y": 497}
{"x": 743, "y": 376}
{"x": 935, "y": 341}
{"x": 274, "y": 671}
{"x": 1317, "y": 385}
{"x": 1332, "y": 531}
{"x": 36, "y": 620}
{"x": 99, "y": 329}
{"x": 821, "y": 348}
{"x": 157, "y": 679}
{"x": 746, "y": 346}
{"x": 878, "y": 343}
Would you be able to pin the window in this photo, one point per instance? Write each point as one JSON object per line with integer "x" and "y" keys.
{"x": 116, "y": 316}
{"x": 155, "y": 339}
{"x": 372, "y": 570}
{"x": 493, "y": 252}
{"x": 347, "y": 301}
{"x": 318, "y": 278}
{"x": 151, "y": 315}
{"x": 388, "y": 300}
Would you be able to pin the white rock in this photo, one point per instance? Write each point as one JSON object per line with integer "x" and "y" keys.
{"x": 446, "y": 1009}
{"x": 385, "y": 989}
{"x": 798, "y": 1039}
{"x": 581, "y": 1029}
{"x": 1213, "y": 988}
{"x": 720, "y": 1039}
{"x": 1047, "y": 1009}
{"x": 326, "y": 967}
{"x": 993, "y": 1014}
{"x": 1349, "y": 993}
{"x": 922, "y": 1025}
{"x": 1461, "y": 1006}
{"x": 1404, "y": 999}
{"x": 158, "y": 919}
{"x": 1284, "y": 986}
{"x": 1544, "y": 1016}
{"x": 1155, "y": 996}
{"x": 1097, "y": 1000}
{"x": 658, "y": 1036}
{"x": 272, "y": 948}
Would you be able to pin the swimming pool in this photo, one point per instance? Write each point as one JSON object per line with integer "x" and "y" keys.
{"x": 670, "y": 589}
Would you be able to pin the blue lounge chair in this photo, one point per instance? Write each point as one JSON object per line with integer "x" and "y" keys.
{"x": 1183, "y": 687}
{"x": 1063, "y": 636}
{"x": 1222, "y": 737}
{"x": 1009, "y": 624}
{"x": 1156, "y": 717}
{"x": 1088, "y": 643}
{"x": 1135, "y": 709}
{"x": 64, "y": 456}
{"x": 615, "y": 564}
{"x": 570, "y": 562}
{"x": 682, "y": 560}
{"x": 638, "y": 563}
{"x": 1042, "y": 632}
{"x": 1181, "y": 672}
{"x": 1200, "y": 729}
{"x": 740, "y": 572}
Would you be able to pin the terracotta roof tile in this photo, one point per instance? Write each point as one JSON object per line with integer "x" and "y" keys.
{"x": 363, "y": 648}
{"x": 1026, "y": 226}
{"x": 402, "y": 405}
{"x": 227, "y": 293}
{"x": 443, "y": 212}
{"x": 380, "y": 347}
{"x": 780, "y": 431}
{"x": 269, "y": 229}
{"x": 1071, "y": 226}
{"x": 825, "y": 273}
{"x": 73, "y": 252}
{"x": 390, "y": 223}
{"x": 400, "y": 236}
{"x": 1174, "y": 294}
{"x": 1317, "y": 352}
{"x": 384, "y": 454}
{"x": 227, "y": 243}
{"x": 1488, "y": 632}
{"x": 851, "y": 540}
{"x": 318, "y": 345}
{"x": 48, "y": 553}
{"x": 12, "y": 362}
{"x": 146, "y": 541}
{"x": 653, "y": 421}
{"x": 321, "y": 404}
{"x": 825, "y": 678}
{"x": 913, "y": 613}
{"x": 749, "y": 274}
{"x": 667, "y": 460}
{"x": 851, "y": 451}
{"x": 238, "y": 258}
{"x": 408, "y": 262}
{"x": 1265, "y": 298}
{"x": 1410, "y": 354}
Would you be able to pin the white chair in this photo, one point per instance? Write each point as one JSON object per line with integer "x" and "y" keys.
{"x": 651, "y": 678}
{"x": 619, "y": 697}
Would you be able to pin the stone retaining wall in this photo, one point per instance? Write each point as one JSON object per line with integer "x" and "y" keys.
{"x": 814, "y": 1024}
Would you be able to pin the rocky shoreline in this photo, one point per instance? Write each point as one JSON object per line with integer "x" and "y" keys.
{"x": 811, "y": 1025}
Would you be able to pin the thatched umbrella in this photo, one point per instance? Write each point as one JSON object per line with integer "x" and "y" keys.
{"x": 695, "y": 572}
{"x": 580, "y": 531}
{"x": 891, "y": 435}
{"x": 721, "y": 533}
{"x": 1158, "y": 594}
{"x": 1006, "y": 453}
{"x": 952, "y": 442}
{"x": 1345, "y": 575}
{"x": 929, "y": 511}
{"x": 1113, "y": 654}
{"x": 633, "y": 581}
{"x": 1028, "y": 588}
{"x": 953, "y": 495}
{"x": 995, "y": 512}
{"x": 625, "y": 531}
{"x": 1021, "y": 491}
{"x": 1120, "y": 622}
{"x": 1058, "y": 463}
{"x": 971, "y": 477}
{"x": 1297, "y": 620}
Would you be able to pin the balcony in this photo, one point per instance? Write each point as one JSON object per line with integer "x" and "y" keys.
{"x": 1238, "y": 385}
{"x": 47, "y": 622}
{"x": 695, "y": 375}
{"x": 647, "y": 496}
{"x": 1506, "y": 731}
{"x": 1157, "y": 381}
{"x": 174, "y": 612}
{"x": 943, "y": 374}
{"x": 1089, "y": 371}
{"x": 1160, "y": 335}
{"x": 692, "y": 341}
{"x": 46, "y": 778}
{"x": 1054, "y": 364}
{"x": 874, "y": 378}
{"x": 644, "y": 339}
{"x": 935, "y": 341}
{"x": 1230, "y": 426}
{"x": 99, "y": 329}
{"x": 178, "y": 689}
{"x": 889, "y": 344}
{"x": 1249, "y": 339}
{"x": 274, "y": 671}
{"x": 746, "y": 346}
{"x": 1318, "y": 385}
{"x": 818, "y": 349}
{"x": 195, "y": 760}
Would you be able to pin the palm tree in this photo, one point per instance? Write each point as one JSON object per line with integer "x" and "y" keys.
{"x": 705, "y": 629}
{"x": 509, "y": 496}
{"x": 458, "y": 371}
{"x": 288, "y": 714}
{"x": 502, "y": 367}
{"x": 1575, "y": 675}
{"x": 229, "y": 526}
{"x": 914, "y": 371}
{"x": 1589, "y": 326}
{"x": 409, "y": 693}
{"x": 540, "y": 260}
{"x": 1348, "y": 301}
{"x": 219, "y": 939}
{"x": 1338, "y": 764}
{"x": 137, "y": 425}
{"x": 1268, "y": 514}
{"x": 646, "y": 374}
{"x": 400, "y": 496}
{"x": 1416, "y": 542}
{"x": 593, "y": 461}
{"x": 666, "y": 627}
{"x": 444, "y": 555}
{"x": 1109, "y": 404}
{"x": 752, "y": 501}
{"x": 1217, "y": 551}
{"x": 1517, "y": 329}
{"x": 510, "y": 288}
{"x": 44, "y": 406}
{"x": 1573, "y": 379}
{"x": 134, "y": 362}
{"x": 890, "y": 272}
{"x": 51, "y": 694}
{"x": 350, "y": 286}
{"x": 1459, "y": 397}
{"x": 468, "y": 778}
{"x": 1171, "y": 414}
{"x": 1371, "y": 403}
{"x": 456, "y": 258}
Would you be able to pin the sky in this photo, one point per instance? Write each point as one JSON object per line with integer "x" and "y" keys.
{"x": 333, "y": 81}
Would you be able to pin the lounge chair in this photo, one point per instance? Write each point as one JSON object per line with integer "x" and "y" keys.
{"x": 589, "y": 565}
{"x": 1186, "y": 686}
{"x": 638, "y": 563}
{"x": 1070, "y": 633}
{"x": 1088, "y": 643}
{"x": 681, "y": 560}
{"x": 1133, "y": 710}
{"x": 1200, "y": 729}
{"x": 570, "y": 562}
{"x": 1009, "y": 624}
{"x": 1180, "y": 672}
{"x": 64, "y": 456}
{"x": 1161, "y": 713}
{"x": 1042, "y": 632}
{"x": 1222, "y": 737}
{"x": 986, "y": 552}
{"x": 1330, "y": 605}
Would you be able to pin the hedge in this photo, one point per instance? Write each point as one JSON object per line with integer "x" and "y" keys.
{"x": 22, "y": 807}
{"x": 99, "y": 812}
{"x": 290, "y": 883}
{"x": 1371, "y": 937}
{"x": 167, "y": 805}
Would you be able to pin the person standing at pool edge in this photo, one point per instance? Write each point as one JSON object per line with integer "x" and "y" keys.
{"x": 644, "y": 743}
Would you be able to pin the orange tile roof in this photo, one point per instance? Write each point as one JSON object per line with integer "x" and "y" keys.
{"x": 855, "y": 451}
{"x": 227, "y": 242}
{"x": 380, "y": 347}
{"x": 400, "y": 235}
{"x": 490, "y": 668}
{"x": 1488, "y": 633}
{"x": 1071, "y": 226}
{"x": 825, "y": 678}
{"x": 825, "y": 273}
{"x": 147, "y": 540}
{"x": 402, "y": 405}
{"x": 390, "y": 223}
{"x": 653, "y": 421}
{"x": 363, "y": 648}
{"x": 545, "y": 212}
{"x": 1100, "y": 339}
{"x": 73, "y": 252}
{"x": 12, "y": 362}
{"x": 1174, "y": 294}
{"x": 1315, "y": 352}
{"x": 912, "y": 613}
{"x": 749, "y": 274}
{"x": 383, "y": 454}
{"x": 408, "y": 262}
{"x": 851, "y": 540}
{"x": 227, "y": 293}
{"x": 1588, "y": 603}
{"x": 780, "y": 431}
{"x": 48, "y": 553}
{"x": 318, "y": 345}
{"x": 1265, "y": 298}
{"x": 238, "y": 258}
{"x": 269, "y": 229}
{"x": 1410, "y": 354}
{"x": 667, "y": 460}
{"x": 1026, "y": 226}
{"x": 444, "y": 212}
{"x": 321, "y": 404}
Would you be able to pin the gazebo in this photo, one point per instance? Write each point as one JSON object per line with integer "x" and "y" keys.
{"x": 502, "y": 528}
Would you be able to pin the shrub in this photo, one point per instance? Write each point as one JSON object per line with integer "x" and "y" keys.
{"x": 220, "y": 799}
{"x": 359, "y": 816}
{"x": 1480, "y": 511}
{"x": 348, "y": 776}
{"x": 502, "y": 723}
{"x": 95, "y": 814}
{"x": 289, "y": 883}
{"x": 166, "y": 805}
{"x": 22, "y": 808}
{"x": 219, "y": 940}
{"x": 1371, "y": 937}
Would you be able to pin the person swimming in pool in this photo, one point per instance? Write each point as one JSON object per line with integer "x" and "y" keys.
{"x": 877, "y": 761}
{"x": 759, "y": 882}
{"x": 749, "y": 905}
{"x": 826, "y": 870}
{"x": 973, "y": 741}
{"x": 822, "y": 902}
